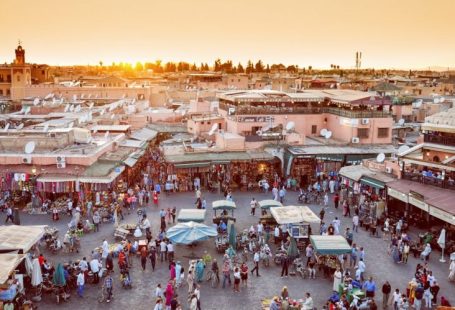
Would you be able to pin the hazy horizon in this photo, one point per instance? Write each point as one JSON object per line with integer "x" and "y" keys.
{"x": 390, "y": 34}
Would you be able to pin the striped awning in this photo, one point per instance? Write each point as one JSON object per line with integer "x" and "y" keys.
{"x": 330, "y": 245}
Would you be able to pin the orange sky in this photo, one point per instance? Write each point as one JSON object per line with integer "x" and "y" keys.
{"x": 390, "y": 33}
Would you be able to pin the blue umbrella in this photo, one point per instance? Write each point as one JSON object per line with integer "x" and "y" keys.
{"x": 190, "y": 232}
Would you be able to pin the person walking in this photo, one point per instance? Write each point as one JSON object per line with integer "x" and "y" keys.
{"x": 253, "y": 203}
{"x": 256, "y": 259}
{"x": 322, "y": 213}
{"x": 80, "y": 284}
{"x": 95, "y": 267}
{"x": 9, "y": 214}
{"x": 336, "y": 200}
{"x": 152, "y": 257}
{"x": 285, "y": 266}
{"x": 96, "y": 221}
{"x": 386, "y": 289}
{"x": 355, "y": 223}
{"x": 190, "y": 281}
{"x": 143, "y": 257}
{"x": 370, "y": 287}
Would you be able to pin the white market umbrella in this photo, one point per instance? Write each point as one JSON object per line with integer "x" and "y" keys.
{"x": 37, "y": 277}
{"x": 28, "y": 265}
{"x": 442, "y": 244}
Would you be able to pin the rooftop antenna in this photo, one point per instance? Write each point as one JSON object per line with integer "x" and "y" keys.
{"x": 6, "y": 127}
{"x": 380, "y": 158}
{"x": 401, "y": 122}
{"x": 29, "y": 147}
{"x": 213, "y": 129}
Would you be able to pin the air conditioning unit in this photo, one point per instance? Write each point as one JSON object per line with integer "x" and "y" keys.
{"x": 61, "y": 165}
{"x": 355, "y": 140}
{"x": 365, "y": 121}
{"x": 388, "y": 169}
{"x": 61, "y": 159}
{"x": 26, "y": 159}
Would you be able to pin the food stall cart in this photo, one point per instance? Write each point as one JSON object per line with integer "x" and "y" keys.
{"x": 8, "y": 264}
{"x": 223, "y": 206}
{"x": 20, "y": 238}
{"x": 327, "y": 248}
{"x": 298, "y": 221}
{"x": 266, "y": 217}
{"x": 191, "y": 215}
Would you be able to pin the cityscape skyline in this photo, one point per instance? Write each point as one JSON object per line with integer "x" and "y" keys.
{"x": 76, "y": 34}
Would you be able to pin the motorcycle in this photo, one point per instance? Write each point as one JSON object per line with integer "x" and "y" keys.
{"x": 300, "y": 267}
{"x": 279, "y": 256}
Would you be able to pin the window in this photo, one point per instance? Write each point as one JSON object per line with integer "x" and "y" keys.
{"x": 43, "y": 72}
{"x": 383, "y": 132}
{"x": 314, "y": 129}
{"x": 362, "y": 133}
{"x": 1, "y": 92}
{"x": 18, "y": 78}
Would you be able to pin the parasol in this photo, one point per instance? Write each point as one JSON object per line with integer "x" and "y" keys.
{"x": 37, "y": 277}
{"x": 59, "y": 276}
{"x": 293, "y": 251}
{"x": 442, "y": 244}
{"x": 233, "y": 236}
{"x": 190, "y": 232}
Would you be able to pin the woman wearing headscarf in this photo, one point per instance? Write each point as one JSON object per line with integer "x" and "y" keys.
{"x": 199, "y": 270}
{"x": 169, "y": 294}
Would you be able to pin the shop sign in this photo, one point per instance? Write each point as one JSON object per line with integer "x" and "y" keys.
{"x": 351, "y": 122}
{"x": 418, "y": 203}
{"x": 442, "y": 215}
{"x": 396, "y": 194}
{"x": 256, "y": 119}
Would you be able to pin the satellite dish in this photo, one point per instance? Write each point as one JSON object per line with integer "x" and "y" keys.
{"x": 418, "y": 103}
{"x": 74, "y": 97}
{"x": 380, "y": 158}
{"x": 29, "y": 147}
{"x": 46, "y": 127}
{"x": 106, "y": 135}
{"x": 328, "y": 134}
{"x": 49, "y": 96}
{"x": 442, "y": 99}
{"x": 54, "y": 101}
{"x": 134, "y": 101}
{"x": 27, "y": 110}
{"x": 112, "y": 116}
{"x": 77, "y": 109}
{"x": 290, "y": 126}
{"x": 89, "y": 96}
{"x": 259, "y": 132}
{"x": 82, "y": 96}
{"x": 102, "y": 112}
{"x": 436, "y": 100}
{"x": 67, "y": 107}
{"x": 323, "y": 132}
{"x": 403, "y": 149}
{"x": 71, "y": 108}
{"x": 71, "y": 125}
{"x": 90, "y": 106}
{"x": 36, "y": 101}
{"x": 124, "y": 96}
{"x": 6, "y": 127}
{"x": 213, "y": 129}
{"x": 401, "y": 122}
{"x": 20, "y": 126}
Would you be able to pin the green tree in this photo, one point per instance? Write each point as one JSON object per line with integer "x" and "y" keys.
{"x": 259, "y": 67}
{"x": 249, "y": 67}
{"x": 139, "y": 67}
{"x": 240, "y": 68}
{"x": 217, "y": 65}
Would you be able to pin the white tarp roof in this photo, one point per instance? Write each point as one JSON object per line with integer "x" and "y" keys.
{"x": 294, "y": 214}
{"x": 9, "y": 263}
{"x": 22, "y": 238}
{"x": 144, "y": 134}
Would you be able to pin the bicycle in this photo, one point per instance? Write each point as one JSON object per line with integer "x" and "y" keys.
{"x": 213, "y": 278}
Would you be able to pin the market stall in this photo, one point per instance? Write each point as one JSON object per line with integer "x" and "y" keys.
{"x": 265, "y": 205}
{"x": 20, "y": 238}
{"x": 327, "y": 248}
{"x": 195, "y": 215}
{"x": 9, "y": 288}
{"x": 223, "y": 206}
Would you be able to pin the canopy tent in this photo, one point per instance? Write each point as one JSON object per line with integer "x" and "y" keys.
{"x": 194, "y": 215}
{"x": 330, "y": 245}
{"x": 190, "y": 232}
{"x": 9, "y": 263}
{"x": 223, "y": 205}
{"x": 269, "y": 203}
{"x": 294, "y": 214}
{"x": 19, "y": 238}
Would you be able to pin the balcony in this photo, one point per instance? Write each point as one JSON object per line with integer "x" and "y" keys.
{"x": 271, "y": 110}
{"x": 418, "y": 177}
{"x": 445, "y": 140}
